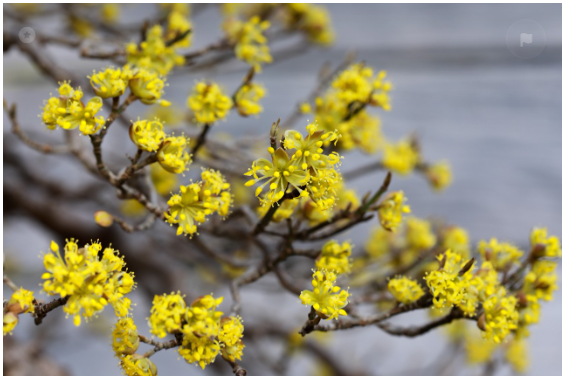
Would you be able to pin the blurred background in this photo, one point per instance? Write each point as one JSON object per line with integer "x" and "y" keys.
{"x": 497, "y": 119}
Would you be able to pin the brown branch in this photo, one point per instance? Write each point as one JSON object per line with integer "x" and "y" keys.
{"x": 41, "y": 310}
{"x": 201, "y": 140}
{"x": 237, "y": 369}
{"x": 158, "y": 345}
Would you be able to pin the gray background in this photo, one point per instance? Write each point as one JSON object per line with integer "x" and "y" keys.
{"x": 495, "y": 117}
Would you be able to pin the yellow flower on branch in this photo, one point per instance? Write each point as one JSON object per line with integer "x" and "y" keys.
{"x": 147, "y": 135}
{"x": 208, "y": 103}
{"x": 125, "y": 339}
{"x": 391, "y": 209}
{"x": 405, "y": 290}
{"x": 326, "y": 299}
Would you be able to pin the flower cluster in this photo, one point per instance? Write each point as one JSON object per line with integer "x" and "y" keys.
{"x": 148, "y": 86}
{"x": 343, "y": 107}
{"x": 502, "y": 255}
{"x": 198, "y": 200}
{"x": 313, "y": 20}
{"x": 405, "y": 290}
{"x": 247, "y": 99}
{"x": 208, "y": 103}
{"x": 125, "y": 339}
{"x": 147, "y": 135}
{"x": 110, "y": 82}
{"x": 69, "y": 112}
{"x": 20, "y": 302}
{"x": 439, "y": 175}
{"x": 335, "y": 257}
{"x": 544, "y": 245}
{"x": 400, "y": 157}
{"x": 153, "y": 53}
{"x": 327, "y": 299}
{"x": 250, "y": 43}
{"x": 137, "y": 365}
{"x": 172, "y": 154}
{"x": 89, "y": 282}
{"x": 205, "y": 333}
{"x": 391, "y": 209}
{"x": 309, "y": 171}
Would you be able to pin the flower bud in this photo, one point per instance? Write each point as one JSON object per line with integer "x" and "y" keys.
{"x": 482, "y": 322}
{"x": 103, "y": 218}
{"x": 145, "y": 364}
{"x": 9, "y": 323}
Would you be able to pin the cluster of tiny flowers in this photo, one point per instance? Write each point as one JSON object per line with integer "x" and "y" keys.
{"x": 250, "y": 43}
{"x": 205, "y": 333}
{"x": 198, "y": 200}
{"x": 335, "y": 257}
{"x": 20, "y": 302}
{"x": 419, "y": 234}
{"x": 391, "y": 210}
{"x": 502, "y": 255}
{"x": 400, "y": 157}
{"x": 137, "y": 365}
{"x": 69, "y": 112}
{"x": 208, "y": 103}
{"x": 147, "y": 86}
{"x": 343, "y": 107}
{"x": 327, "y": 299}
{"x": 439, "y": 175}
{"x": 89, "y": 282}
{"x": 308, "y": 171}
{"x": 153, "y": 53}
{"x": 247, "y": 99}
{"x": 446, "y": 285}
{"x": 456, "y": 239}
{"x": 170, "y": 150}
{"x": 405, "y": 290}
{"x": 110, "y": 82}
{"x": 313, "y": 20}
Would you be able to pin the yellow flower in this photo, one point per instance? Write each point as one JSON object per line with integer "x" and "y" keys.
{"x": 137, "y": 365}
{"x": 247, "y": 99}
{"x": 110, "y": 12}
{"x": 201, "y": 317}
{"x": 405, "y": 290}
{"x": 172, "y": 154}
{"x": 153, "y": 54}
{"x": 90, "y": 282}
{"x": 197, "y": 200}
{"x": 541, "y": 280}
{"x": 500, "y": 315}
{"x": 208, "y": 103}
{"x": 125, "y": 339}
{"x": 250, "y": 43}
{"x": 147, "y": 135}
{"x": 456, "y": 239}
{"x": 353, "y": 84}
{"x": 109, "y": 83}
{"x": 233, "y": 352}
{"x": 479, "y": 350}
{"x": 327, "y": 299}
{"x": 9, "y": 323}
{"x": 550, "y": 245}
{"x": 502, "y": 255}
{"x": 447, "y": 287}
{"x": 167, "y": 314}
{"x": 280, "y": 173}
{"x": 313, "y": 20}
{"x": 285, "y": 210}
{"x": 148, "y": 87}
{"x": 178, "y": 24}
{"x": 517, "y": 355}
{"x": 401, "y": 157}
{"x": 379, "y": 242}
{"x": 24, "y": 298}
{"x": 419, "y": 234}
{"x": 439, "y": 175}
{"x": 200, "y": 350}
{"x": 335, "y": 257}
{"x": 391, "y": 209}
{"x": 231, "y": 331}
